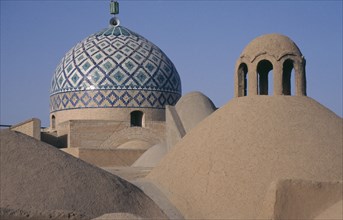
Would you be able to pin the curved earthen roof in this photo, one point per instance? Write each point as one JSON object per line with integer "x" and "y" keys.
{"x": 152, "y": 156}
{"x": 36, "y": 177}
{"x": 276, "y": 45}
{"x": 194, "y": 107}
{"x": 223, "y": 168}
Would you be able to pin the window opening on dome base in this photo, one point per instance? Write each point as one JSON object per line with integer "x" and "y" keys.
{"x": 137, "y": 119}
{"x": 53, "y": 122}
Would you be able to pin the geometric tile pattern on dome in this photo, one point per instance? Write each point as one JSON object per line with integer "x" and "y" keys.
{"x": 115, "y": 59}
{"x": 111, "y": 99}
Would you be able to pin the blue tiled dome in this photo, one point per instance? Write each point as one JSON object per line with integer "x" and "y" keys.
{"x": 114, "y": 68}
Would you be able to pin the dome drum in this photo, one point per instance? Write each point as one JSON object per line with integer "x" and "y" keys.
{"x": 106, "y": 114}
{"x": 112, "y": 99}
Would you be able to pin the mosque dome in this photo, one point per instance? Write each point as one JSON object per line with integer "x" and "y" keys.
{"x": 114, "y": 68}
{"x": 276, "y": 45}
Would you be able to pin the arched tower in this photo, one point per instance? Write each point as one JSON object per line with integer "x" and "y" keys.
{"x": 265, "y": 53}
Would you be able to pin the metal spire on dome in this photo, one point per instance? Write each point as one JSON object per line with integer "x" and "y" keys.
{"x": 114, "y": 7}
{"x": 114, "y": 10}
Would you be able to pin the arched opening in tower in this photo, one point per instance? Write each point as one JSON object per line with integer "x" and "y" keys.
{"x": 137, "y": 119}
{"x": 263, "y": 69}
{"x": 287, "y": 70}
{"x": 242, "y": 80}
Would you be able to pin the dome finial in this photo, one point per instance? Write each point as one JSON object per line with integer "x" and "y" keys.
{"x": 114, "y": 7}
{"x": 114, "y": 10}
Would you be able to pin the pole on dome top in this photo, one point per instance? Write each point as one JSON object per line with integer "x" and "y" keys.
{"x": 114, "y": 7}
{"x": 114, "y": 10}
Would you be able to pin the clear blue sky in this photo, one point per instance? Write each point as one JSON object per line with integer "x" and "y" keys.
{"x": 203, "y": 39}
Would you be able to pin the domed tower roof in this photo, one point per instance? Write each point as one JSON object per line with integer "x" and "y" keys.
{"x": 265, "y": 53}
{"x": 276, "y": 45}
{"x": 114, "y": 68}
